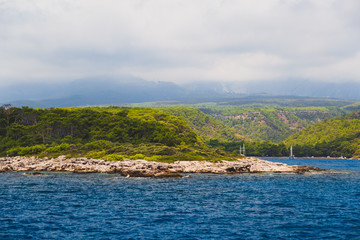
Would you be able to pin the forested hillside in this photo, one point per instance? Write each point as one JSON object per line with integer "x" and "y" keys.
{"x": 179, "y": 132}
{"x": 100, "y": 132}
{"x": 258, "y": 118}
{"x": 331, "y": 137}
{"x": 263, "y": 128}
{"x": 270, "y": 123}
{"x": 204, "y": 125}
{"x": 26, "y": 126}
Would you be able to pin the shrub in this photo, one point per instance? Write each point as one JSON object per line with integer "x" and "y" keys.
{"x": 114, "y": 157}
{"x": 96, "y": 155}
{"x": 153, "y": 158}
{"x": 36, "y": 149}
{"x": 58, "y": 148}
{"x": 137, "y": 156}
{"x": 99, "y": 145}
{"x": 13, "y": 151}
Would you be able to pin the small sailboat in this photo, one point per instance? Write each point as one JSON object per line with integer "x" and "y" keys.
{"x": 243, "y": 150}
{"x": 291, "y": 153}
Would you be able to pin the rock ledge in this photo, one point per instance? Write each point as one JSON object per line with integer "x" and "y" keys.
{"x": 142, "y": 168}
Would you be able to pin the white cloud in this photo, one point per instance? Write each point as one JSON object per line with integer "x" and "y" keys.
{"x": 180, "y": 40}
{"x": 223, "y": 67}
{"x": 339, "y": 70}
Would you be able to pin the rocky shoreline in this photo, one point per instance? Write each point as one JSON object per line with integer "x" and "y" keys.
{"x": 142, "y": 168}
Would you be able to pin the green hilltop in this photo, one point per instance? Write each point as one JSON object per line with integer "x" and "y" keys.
{"x": 101, "y": 132}
{"x": 331, "y": 137}
{"x": 203, "y": 124}
{"x": 168, "y": 132}
{"x": 270, "y": 123}
{"x": 261, "y": 118}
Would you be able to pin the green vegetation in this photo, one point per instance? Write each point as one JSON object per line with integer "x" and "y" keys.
{"x": 273, "y": 124}
{"x": 331, "y": 137}
{"x": 267, "y": 126}
{"x": 28, "y": 127}
{"x": 263, "y": 148}
{"x": 286, "y": 101}
{"x": 257, "y": 119}
{"x": 204, "y": 125}
{"x": 209, "y": 131}
{"x": 257, "y": 101}
{"x": 111, "y": 133}
{"x": 351, "y": 107}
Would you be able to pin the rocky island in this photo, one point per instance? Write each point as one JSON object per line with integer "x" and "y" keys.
{"x": 142, "y": 168}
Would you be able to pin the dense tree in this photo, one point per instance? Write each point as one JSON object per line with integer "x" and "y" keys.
{"x": 24, "y": 127}
{"x": 331, "y": 137}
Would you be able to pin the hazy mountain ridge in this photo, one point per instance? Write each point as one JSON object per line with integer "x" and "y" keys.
{"x": 87, "y": 92}
{"x": 123, "y": 90}
{"x": 304, "y": 88}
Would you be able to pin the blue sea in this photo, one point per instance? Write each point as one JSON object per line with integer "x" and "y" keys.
{"x": 207, "y": 206}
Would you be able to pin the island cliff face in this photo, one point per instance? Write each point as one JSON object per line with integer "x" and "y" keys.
{"x": 142, "y": 168}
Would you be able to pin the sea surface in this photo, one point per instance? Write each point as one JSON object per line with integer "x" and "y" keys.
{"x": 208, "y": 206}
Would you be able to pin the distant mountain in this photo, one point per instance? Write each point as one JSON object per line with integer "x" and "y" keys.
{"x": 124, "y": 90}
{"x": 95, "y": 91}
{"x": 295, "y": 87}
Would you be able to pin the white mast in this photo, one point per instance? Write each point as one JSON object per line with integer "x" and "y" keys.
{"x": 291, "y": 153}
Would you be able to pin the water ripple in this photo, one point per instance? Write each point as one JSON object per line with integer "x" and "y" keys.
{"x": 104, "y": 206}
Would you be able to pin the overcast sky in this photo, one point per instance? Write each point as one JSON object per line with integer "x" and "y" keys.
{"x": 180, "y": 40}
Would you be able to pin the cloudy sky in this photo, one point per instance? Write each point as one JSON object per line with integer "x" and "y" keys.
{"x": 180, "y": 40}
